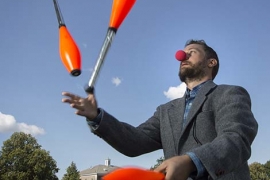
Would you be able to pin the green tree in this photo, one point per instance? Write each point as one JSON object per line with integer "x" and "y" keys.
{"x": 72, "y": 173}
{"x": 159, "y": 161}
{"x": 258, "y": 171}
{"x": 267, "y": 167}
{"x": 22, "y": 158}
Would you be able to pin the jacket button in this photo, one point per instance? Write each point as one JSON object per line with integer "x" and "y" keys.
{"x": 220, "y": 172}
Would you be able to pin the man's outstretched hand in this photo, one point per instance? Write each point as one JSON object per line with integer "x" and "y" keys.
{"x": 86, "y": 107}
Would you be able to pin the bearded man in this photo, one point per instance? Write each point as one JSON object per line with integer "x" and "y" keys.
{"x": 206, "y": 134}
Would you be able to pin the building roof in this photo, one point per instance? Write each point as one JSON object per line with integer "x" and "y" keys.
{"x": 99, "y": 169}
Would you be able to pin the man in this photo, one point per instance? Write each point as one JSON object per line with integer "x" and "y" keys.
{"x": 207, "y": 134}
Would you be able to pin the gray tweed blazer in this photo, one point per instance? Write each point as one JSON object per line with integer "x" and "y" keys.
{"x": 220, "y": 130}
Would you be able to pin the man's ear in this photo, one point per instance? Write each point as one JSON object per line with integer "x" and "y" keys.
{"x": 212, "y": 62}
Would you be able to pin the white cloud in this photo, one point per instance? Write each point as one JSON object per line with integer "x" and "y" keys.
{"x": 84, "y": 45}
{"x": 175, "y": 92}
{"x": 116, "y": 81}
{"x": 9, "y": 124}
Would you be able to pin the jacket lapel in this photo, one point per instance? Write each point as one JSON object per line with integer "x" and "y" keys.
{"x": 176, "y": 114}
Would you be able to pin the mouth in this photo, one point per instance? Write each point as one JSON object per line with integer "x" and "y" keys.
{"x": 184, "y": 64}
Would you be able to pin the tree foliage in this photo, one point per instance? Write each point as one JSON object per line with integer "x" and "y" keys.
{"x": 72, "y": 173}
{"x": 159, "y": 161}
{"x": 22, "y": 158}
{"x": 258, "y": 171}
{"x": 267, "y": 168}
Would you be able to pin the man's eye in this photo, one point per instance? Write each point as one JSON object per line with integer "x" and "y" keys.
{"x": 190, "y": 52}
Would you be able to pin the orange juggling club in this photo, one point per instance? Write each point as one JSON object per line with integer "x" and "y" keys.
{"x": 133, "y": 174}
{"x": 120, "y": 9}
{"x": 69, "y": 51}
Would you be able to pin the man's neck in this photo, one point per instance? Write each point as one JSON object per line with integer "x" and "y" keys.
{"x": 193, "y": 83}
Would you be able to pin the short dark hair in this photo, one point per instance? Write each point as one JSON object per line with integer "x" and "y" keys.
{"x": 209, "y": 52}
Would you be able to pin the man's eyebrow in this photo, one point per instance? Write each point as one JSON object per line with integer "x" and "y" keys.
{"x": 193, "y": 48}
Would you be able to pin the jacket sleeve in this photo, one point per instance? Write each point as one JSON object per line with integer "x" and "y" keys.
{"x": 236, "y": 129}
{"x": 127, "y": 139}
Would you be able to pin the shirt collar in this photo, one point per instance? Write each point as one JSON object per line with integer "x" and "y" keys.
{"x": 194, "y": 91}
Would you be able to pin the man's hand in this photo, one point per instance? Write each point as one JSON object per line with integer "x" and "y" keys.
{"x": 177, "y": 168}
{"x": 85, "y": 106}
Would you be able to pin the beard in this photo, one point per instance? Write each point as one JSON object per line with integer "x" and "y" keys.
{"x": 195, "y": 72}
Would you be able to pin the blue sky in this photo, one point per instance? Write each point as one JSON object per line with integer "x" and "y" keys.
{"x": 139, "y": 73}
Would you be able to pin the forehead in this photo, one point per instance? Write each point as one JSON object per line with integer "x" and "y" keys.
{"x": 194, "y": 46}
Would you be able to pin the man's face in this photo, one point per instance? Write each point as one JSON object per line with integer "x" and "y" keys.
{"x": 195, "y": 66}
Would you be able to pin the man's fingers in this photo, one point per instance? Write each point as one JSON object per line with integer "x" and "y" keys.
{"x": 66, "y": 100}
{"x": 169, "y": 175}
{"x": 81, "y": 113}
{"x": 85, "y": 106}
{"x": 165, "y": 170}
{"x": 161, "y": 168}
{"x": 67, "y": 94}
{"x": 90, "y": 96}
{"x": 78, "y": 107}
{"x": 71, "y": 98}
{"x": 70, "y": 95}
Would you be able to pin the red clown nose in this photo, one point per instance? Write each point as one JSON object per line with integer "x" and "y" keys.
{"x": 180, "y": 55}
